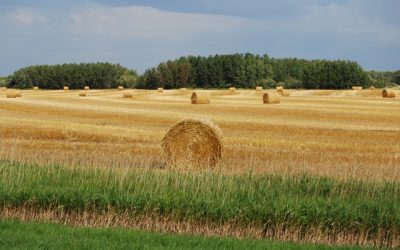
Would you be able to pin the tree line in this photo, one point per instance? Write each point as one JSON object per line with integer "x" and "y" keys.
{"x": 75, "y": 76}
{"x": 216, "y": 71}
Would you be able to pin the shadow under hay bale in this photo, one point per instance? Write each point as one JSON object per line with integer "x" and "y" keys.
{"x": 200, "y": 98}
{"x": 271, "y": 98}
{"x": 388, "y": 93}
{"x": 193, "y": 143}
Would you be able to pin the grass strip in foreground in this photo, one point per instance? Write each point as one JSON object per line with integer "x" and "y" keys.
{"x": 31, "y": 235}
{"x": 365, "y": 213}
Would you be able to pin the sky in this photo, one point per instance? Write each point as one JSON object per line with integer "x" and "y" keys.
{"x": 140, "y": 34}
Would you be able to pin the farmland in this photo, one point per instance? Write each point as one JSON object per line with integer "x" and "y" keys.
{"x": 322, "y": 166}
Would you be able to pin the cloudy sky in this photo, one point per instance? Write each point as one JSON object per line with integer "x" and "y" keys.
{"x": 140, "y": 34}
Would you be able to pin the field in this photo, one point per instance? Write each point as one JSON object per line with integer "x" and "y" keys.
{"x": 323, "y": 166}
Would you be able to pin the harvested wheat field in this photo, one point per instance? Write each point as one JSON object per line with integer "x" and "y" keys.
{"x": 338, "y": 134}
{"x": 322, "y": 166}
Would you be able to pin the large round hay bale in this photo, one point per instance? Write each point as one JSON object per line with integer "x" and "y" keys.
{"x": 271, "y": 98}
{"x": 200, "y": 98}
{"x": 82, "y": 93}
{"x": 160, "y": 90}
{"x": 193, "y": 142}
{"x": 232, "y": 90}
{"x": 388, "y": 93}
{"x": 66, "y": 88}
{"x": 120, "y": 88}
{"x": 127, "y": 94}
{"x": 11, "y": 94}
{"x": 259, "y": 88}
{"x": 86, "y": 88}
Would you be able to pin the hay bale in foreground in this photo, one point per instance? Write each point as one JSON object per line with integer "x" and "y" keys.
{"x": 232, "y": 90}
{"x": 388, "y": 93}
{"x": 127, "y": 94}
{"x": 200, "y": 98}
{"x": 193, "y": 142}
{"x": 271, "y": 98}
{"x": 86, "y": 88}
{"x": 120, "y": 87}
{"x": 259, "y": 88}
{"x": 82, "y": 93}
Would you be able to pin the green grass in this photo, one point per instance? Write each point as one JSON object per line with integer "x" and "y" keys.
{"x": 22, "y": 235}
{"x": 304, "y": 201}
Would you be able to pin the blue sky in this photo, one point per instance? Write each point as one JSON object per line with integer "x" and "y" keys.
{"x": 139, "y": 34}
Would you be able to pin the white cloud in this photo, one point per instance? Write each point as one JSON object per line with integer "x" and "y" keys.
{"x": 27, "y": 16}
{"x": 149, "y": 23}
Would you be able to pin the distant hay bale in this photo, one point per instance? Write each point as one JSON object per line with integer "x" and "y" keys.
{"x": 193, "y": 142}
{"x": 356, "y": 88}
{"x": 271, "y": 98}
{"x": 183, "y": 89}
{"x": 66, "y": 88}
{"x": 200, "y": 98}
{"x": 127, "y": 94}
{"x": 388, "y": 93}
{"x": 259, "y": 88}
{"x": 232, "y": 90}
{"x": 82, "y": 93}
{"x": 120, "y": 87}
{"x": 279, "y": 88}
{"x": 3, "y": 88}
{"x": 12, "y": 94}
{"x": 86, "y": 88}
{"x": 160, "y": 90}
{"x": 35, "y": 88}
{"x": 371, "y": 87}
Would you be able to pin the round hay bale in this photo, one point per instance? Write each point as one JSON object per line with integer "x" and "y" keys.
{"x": 183, "y": 89}
{"x": 18, "y": 93}
{"x": 193, "y": 142}
{"x": 11, "y": 94}
{"x": 160, "y": 90}
{"x": 66, "y": 88}
{"x": 271, "y": 98}
{"x": 86, "y": 88}
{"x": 371, "y": 87}
{"x": 35, "y": 88}
{"x": 3, "y": 88}
{"x": 259, "y": 88}
{"x": 388, "y": 93}
{"x": 120, "y": 87}
{"x": 232, "y": 90}
{"x": 82, "y": 93}
{"x": 279, "y": 88}
{"x": 200, "y": 98}
{"x": 127, "y": 94}
{"x": 356, "y": 88}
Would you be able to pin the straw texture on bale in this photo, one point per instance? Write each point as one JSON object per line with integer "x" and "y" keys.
{"x": 35, "y": 88}
{"x": 232, "y": 90}
{"x": 388, "y": 93}
{"x": 82, "y": 93}
{"x": 259, "y": 88}
{"x": 86, "y": 88}
{"x": 160, "y": 90}
{"x": 66, "y": 88}
{"x": 200, "y": 98}
{"x": 18, "y": 93}
{"x": 127, "y": 94}
{"x": 194, "y": 143}
{"x": 120, "y": 87}
{"x": 271, "y": 98}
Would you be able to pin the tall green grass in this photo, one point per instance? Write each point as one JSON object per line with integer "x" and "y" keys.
{"x": 303, "y": 201}
{"x": 18, "y": 235}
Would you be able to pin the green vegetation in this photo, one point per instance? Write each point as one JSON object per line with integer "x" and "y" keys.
{"x": 306, "y": 202}
{"x": 95, "y": 75}
{"x": 3, "y": 81}
{"x": 249, "y": 70}
{"x": 19, "y": 235}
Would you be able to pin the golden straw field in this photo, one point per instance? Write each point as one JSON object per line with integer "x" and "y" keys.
{"x": 343, "y": 134}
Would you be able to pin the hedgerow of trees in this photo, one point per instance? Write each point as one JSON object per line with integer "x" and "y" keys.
{"x": 249, "y": 70}
{"x": 75, "y": 76}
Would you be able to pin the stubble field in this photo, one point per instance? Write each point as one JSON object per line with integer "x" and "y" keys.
{"x": 322, "y": 166}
